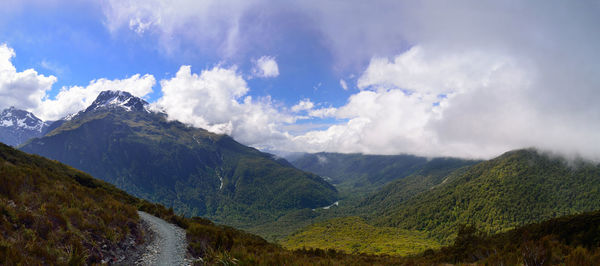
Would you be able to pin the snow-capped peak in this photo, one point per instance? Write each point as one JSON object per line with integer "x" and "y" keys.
{"x": 118, "y": 99}
{"x": 20, "y": 119}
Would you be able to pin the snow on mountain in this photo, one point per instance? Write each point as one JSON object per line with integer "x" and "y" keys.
{"x": 16, "y": 118}
{"x": 118, "y": 99}
{"x": 17, "y": 126}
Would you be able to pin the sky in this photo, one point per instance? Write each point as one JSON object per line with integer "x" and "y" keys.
{"x": 467, "y": 79}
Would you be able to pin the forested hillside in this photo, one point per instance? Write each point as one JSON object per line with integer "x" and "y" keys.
{"x": 358, "y": 175}
{"x": 51, "y": 213}
{"x": 519, "y": 187}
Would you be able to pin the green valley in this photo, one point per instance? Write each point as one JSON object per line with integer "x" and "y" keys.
{"x": 353, "y": 235}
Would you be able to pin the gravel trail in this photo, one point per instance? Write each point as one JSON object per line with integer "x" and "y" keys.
{"x": 168, "y": 246}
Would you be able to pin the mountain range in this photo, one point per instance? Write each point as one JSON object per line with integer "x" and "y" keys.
{"x": 119, "y": 140}
{"x": 514, "y": 189}
{"x": 356, "y": 175}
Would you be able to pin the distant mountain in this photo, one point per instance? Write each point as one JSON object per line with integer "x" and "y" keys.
{"x": 17, "y": 126}
{"x": 354, "y": 173}
{"x": 519, "y": 187}
{"x": 357, "y": 177}
{"x": 196, "y": 172}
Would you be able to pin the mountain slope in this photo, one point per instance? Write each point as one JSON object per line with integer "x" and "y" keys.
{"x": 358, "y": 170}
{"x": 567, "y": 240}
{"x": 437, "y": 172}
{"x": 518, "y": 187}
{"x": 360, "y": 174}
{"x": 195, "y": 171}
{"x": 17, "y": 126}
{"x": 53, "y": 214}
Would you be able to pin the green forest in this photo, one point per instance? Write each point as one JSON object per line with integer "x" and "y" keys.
{"x": 55, "y": 214}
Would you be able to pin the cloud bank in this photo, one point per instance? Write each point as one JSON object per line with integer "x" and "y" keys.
{"x": 461, "y": 78}
{"x": 29, "y": 90}
{"x": 24, "y": 89}
{"x": 217, "y": 100}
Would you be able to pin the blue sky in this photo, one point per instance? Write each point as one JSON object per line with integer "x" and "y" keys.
{"x": 72, "y": 43}
{"x": 467, "y": 78}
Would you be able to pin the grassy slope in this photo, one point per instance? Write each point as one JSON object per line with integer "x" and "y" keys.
{"x": 353, "y": 235}
{"x": 52, "y": 213}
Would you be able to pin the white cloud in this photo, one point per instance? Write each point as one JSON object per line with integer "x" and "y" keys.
{"x": 29, "y": 90}
{"x": 343, "y": 84}
{"x": 54, "y": 67}
{"x": 24, "y": 89}
{"x": 217, "y": 100}
{"x": 211, "y": 24}
{"x": 323, "y": 112}
{"x": 139, "y": 26}
{"x": 303, "y": 105}
{"x": 266, "y": 67}
{"x": 480, "y": 78}
{"x": 468, "y": 104}
{"x": 76, "y": 98}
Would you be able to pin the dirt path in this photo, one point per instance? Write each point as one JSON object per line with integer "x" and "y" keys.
{"x": 168, "y": 246}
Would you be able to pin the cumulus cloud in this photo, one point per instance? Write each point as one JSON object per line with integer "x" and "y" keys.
{"x": 24, "y": 89}
{"x": 217, "y": 100}
{"x": 29, "y": 90}
{"x": 76, "y": 98}
{"x": 468, "y": 104}
{"x": 303, "y": 105}
{"x": 403, "y": 101}
{"x": 266, "y": 67}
